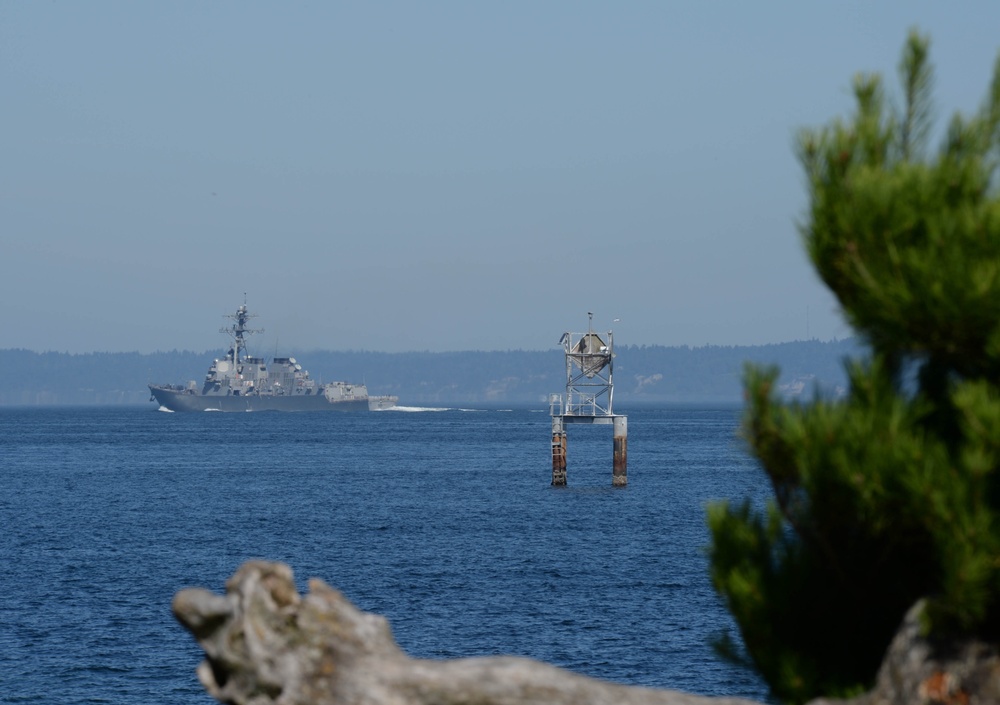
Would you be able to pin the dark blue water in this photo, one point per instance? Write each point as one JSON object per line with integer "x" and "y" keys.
{"x": 444, "y": 521}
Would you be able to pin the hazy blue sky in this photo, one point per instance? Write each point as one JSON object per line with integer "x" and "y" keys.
{"x": 404, "y": 176}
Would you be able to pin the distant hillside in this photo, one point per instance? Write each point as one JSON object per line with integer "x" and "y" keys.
{"x": 642, "y": 374}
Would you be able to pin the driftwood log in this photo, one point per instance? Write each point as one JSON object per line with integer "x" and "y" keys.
{"x": 264, "y": 644}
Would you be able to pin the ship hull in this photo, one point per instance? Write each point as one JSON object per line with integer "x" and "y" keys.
{"x": 183, "y": 400}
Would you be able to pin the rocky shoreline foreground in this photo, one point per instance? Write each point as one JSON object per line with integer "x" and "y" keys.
{"x": 264, "y": 643}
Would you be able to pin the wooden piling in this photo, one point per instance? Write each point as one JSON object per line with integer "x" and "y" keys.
{"x": 558, "y": 452}
{"x": 619, "y": 472}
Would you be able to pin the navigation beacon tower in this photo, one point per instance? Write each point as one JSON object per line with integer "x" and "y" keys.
{"x": 589, "y": 399}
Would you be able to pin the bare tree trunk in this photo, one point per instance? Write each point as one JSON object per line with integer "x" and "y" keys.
{"x": 267, "y": 644}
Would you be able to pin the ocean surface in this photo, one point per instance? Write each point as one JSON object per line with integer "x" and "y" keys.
{"x": 443, "y": 520}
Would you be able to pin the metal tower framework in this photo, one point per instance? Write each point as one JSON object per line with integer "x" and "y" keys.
{"x": 589, "y": 398}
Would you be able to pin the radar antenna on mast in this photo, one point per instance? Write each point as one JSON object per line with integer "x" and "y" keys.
{"x": 239, "y": 329}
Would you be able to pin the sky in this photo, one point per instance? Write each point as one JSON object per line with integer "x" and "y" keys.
{"x": 432, "y": 176}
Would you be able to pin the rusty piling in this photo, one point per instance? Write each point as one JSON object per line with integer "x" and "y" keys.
{"x": 558, "y": 452}
{"x": 619, "y": 472}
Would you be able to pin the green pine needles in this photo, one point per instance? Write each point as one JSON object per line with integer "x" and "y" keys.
{"x": 892, "y": 493}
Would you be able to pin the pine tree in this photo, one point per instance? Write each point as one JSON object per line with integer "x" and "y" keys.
{"x": 891, "y": 493}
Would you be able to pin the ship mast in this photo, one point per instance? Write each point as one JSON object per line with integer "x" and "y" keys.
{"x": 239, "y": 329}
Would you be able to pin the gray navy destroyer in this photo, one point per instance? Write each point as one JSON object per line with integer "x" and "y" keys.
{"x": 240, "y": 382}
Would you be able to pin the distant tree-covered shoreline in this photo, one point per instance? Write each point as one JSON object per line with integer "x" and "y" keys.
{"x": 643, "y": 374}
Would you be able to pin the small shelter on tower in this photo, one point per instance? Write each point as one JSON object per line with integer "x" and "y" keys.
{"x": 589, "y": 371}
